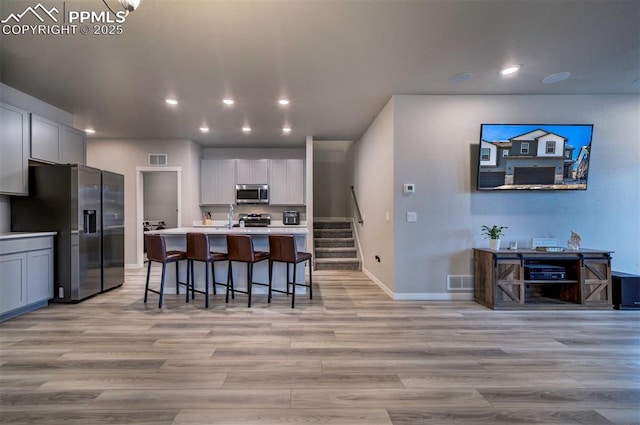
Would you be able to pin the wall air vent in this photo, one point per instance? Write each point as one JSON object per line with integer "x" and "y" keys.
{"x": 461, "y": 282}
{"x": 157, "y": 159}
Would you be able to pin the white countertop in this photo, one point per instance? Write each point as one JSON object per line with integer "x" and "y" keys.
{"x": 214, "y": 230}
{"x": 24, "y": 235}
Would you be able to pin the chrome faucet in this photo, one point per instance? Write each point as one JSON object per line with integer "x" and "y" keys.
{"x": 230, "y": 216}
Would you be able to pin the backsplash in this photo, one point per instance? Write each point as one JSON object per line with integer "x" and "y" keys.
{"x": 221, "y": 213}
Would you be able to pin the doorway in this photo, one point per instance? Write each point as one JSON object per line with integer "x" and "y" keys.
{"x": 158, "y": 200}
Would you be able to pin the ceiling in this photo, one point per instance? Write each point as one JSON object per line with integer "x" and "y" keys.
{"x": 338, "y": 62}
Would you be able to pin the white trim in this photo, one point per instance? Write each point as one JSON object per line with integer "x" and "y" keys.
{"x": 426, "y": 296}
{"x": 418, "y": 296}
{"x": 378, "y": 282}
{"x": 309, "y": 193}
{"x": 140, "y": 205}
{"x": 133, "y": 266}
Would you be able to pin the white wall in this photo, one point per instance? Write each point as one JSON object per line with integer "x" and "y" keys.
{"x": 332, "y": 171}
{"x": 373, "y": 181}
{"x": 123, "y": 156}
{"x": 432, "y": 140}
{"x": 5, "y": 213}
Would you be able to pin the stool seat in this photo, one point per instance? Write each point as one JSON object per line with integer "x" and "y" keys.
{"x": 157, "y": 251}
{"x": 283, "y": 249}
{"x": 240, "y": 249}
{"x": 198, "y": 249}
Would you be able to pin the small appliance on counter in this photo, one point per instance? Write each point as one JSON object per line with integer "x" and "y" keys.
{"x": 254, "y": 220}
{"x": 291, "y": 217}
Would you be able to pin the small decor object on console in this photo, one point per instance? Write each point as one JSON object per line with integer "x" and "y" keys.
{"x": 574, "y": 241}
{"x": 493, "y": 233}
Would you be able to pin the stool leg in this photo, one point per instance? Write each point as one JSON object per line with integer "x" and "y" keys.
{"x": 146, "y": 287}
{"x": 164, "y": 266}
{"x": 189, "y": 271}
{"x": 310, "y": 280}
{"x": 249, "y": 280}
{"x": 193, "y": 282}
{"x": 287, "y": 266}
{"x": 293, "y": 293}
{"x": 270, "y": 280}
{"x": 206, "y": 285}
{"x": 229, "y": 281}
{"x": 213, "y": 276}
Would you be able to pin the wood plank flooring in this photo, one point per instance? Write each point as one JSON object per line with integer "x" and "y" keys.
{"x": 350, "y": 356}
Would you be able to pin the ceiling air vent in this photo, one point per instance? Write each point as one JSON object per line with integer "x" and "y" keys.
{"x": 157, "y": 159}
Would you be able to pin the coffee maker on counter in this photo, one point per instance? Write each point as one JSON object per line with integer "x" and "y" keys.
{"x": 291, "y": 217}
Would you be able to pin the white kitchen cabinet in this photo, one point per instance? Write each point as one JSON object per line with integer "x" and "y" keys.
{"x": 56, "y": 143}
{"x": 252, "y": 171}
{"x": 14, "y": 145}
{"x": 286, "y": 185}
{"x": 217, "y": 181}
{"x": 46, "y": 139}
{"x": 26, "y": 273}
{"x": 73, "y": 146}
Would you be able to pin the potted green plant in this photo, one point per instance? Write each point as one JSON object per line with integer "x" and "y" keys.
{"x": 493, "y": 234}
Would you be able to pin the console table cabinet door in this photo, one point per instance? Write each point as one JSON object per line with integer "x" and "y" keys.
{"x": 596, "y": 282}
{"x": 14, "y": 144}
{"x": 46, "y": 139}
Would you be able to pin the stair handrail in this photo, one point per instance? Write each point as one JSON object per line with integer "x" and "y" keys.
{"x": 355, "y": 202}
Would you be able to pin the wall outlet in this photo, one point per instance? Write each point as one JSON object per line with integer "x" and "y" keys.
{"x": 412, "y": 216}
{"x": 409, "y": 188}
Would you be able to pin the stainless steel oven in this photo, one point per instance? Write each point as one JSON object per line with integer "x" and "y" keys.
{"x": 252, "y": 194}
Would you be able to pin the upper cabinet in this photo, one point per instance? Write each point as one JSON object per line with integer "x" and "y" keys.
{"x": 46, "y": 139}
{"x": 286, "y": 185}
{"x": 14, "y": 145}
{"x": 252, "y": 171}
{"x": 56, "y": 143}
{"x": 217, "y": 182}
{"x": 73, "y": 146}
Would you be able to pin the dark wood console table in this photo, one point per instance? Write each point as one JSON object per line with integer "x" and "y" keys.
{"x": 504, "y": 279}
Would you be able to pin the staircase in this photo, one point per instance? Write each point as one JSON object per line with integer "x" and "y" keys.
{"x": 335, "y": 247}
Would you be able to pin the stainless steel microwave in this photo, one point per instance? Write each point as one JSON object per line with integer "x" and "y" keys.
{"x": 252, "y": 194}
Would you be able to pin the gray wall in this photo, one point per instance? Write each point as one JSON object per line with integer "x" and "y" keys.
{"x": 432, "y": 140}
{"x": 373, "y": 183}
{"x": 332, "y": 171}
{"x": 123, "y": 156}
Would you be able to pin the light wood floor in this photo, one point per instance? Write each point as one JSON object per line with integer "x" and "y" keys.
{"x": 349, "y": 356}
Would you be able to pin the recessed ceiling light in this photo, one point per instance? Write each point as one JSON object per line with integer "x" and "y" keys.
{"x": 283, "y": 102}
{"x": 204, "y": 129}
{"x": 555, "y": 78}
{"x": 89, "y": 131}
{"x": 228, "y": 102}
{"x": 246, "y": 129}
{"x": 171, "y": 101}
{"x": 461, "y": 78}
{"x": 512, "y": 69}
{"x": 286, "y": 129}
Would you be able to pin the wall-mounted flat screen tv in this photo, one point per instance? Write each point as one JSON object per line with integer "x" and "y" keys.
{"x": 534, "y": 156}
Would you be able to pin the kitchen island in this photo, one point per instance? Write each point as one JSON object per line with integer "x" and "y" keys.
{"x": 176, "y": 239}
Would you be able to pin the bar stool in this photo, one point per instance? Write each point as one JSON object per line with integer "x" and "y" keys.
{"x": 198, "y": 249}
{"x": 240, "y": 249}
{"x": 157, "y": 251}
{"x": 283, "y": 249}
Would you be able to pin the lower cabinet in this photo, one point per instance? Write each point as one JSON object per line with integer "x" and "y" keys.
{"x": 26, "y": 275}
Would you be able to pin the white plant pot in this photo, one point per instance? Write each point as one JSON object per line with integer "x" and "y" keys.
{"x": 494, "y": 244}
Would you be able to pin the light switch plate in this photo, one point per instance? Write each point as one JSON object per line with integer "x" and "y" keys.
{"x": 412, "y": 216}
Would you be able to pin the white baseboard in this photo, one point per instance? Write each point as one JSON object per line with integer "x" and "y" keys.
{"x": 131, "y": 266}
{"x": 419, "y": 296}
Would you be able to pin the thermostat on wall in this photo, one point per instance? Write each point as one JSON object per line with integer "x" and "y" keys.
{"x": 409, "y": 188}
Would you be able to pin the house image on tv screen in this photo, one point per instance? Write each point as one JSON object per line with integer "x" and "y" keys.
{"x": 536, "y": 159}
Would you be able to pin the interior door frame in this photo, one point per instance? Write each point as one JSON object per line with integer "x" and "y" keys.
{"x": 140, "y": 205}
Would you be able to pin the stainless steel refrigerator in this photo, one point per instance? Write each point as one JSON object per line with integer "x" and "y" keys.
{"x": 67, "y": 199}
{"x": 112, "y": 230}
